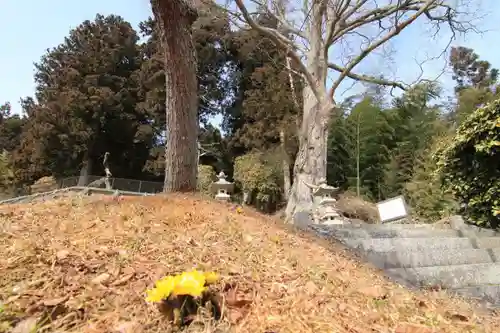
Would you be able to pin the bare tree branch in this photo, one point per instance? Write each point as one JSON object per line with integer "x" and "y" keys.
{"x": 282, "y": 41}
{"x": 328, "y": 22}
{"x": 336, "y": 15}
{"x": 279, "y": 15}
{"x": 367, "y": 78}
{"x": 364, "y": 53}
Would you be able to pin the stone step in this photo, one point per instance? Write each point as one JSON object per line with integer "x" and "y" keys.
{"x": 394, "y": 226}
{"x": 408, "y": 244}
{"x": 429, "y": 258}
{"x": 488, "y": 293}
{"x": 346, "y": 231}
{"x": 487, "y": 242}
{"x": 449, "y": 277}
{"x": 482, "y": 232}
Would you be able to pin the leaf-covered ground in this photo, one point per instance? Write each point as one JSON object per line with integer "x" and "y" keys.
{"x": 83, "y": 265}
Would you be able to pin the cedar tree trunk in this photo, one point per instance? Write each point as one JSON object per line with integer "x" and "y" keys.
{"x": 175, "y": 18}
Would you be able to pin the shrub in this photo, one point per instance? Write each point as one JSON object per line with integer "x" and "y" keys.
{"x": 354, "y": 207}
{"x": 6, "y": 173}
{"x": 206, "y": 176}
{"x": 427, "y": 198}
{"x": 469, "y": 165}
{"x": 259, "y": 176}
{"x": 45, "y": 180}
{"x": 44, "y": 184}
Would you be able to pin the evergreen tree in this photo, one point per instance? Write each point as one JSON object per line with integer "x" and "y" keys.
{"x": 475, "y": 79}
{"x": 340, "y": 149}
{"x": 425, "y": 195}
{"x": 86, "y": 103}
{"x": 11, "y": 126}
{"x": 370, "y": 134}
{"x": 415, "y": 121}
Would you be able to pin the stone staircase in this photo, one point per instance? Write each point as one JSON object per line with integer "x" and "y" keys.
{"x": 460, "y": 258}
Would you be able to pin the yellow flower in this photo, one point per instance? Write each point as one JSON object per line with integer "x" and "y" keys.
{"x": 211, "y": 277}
{"x": 162, "y": 289}
{"x": 190, "y": 283}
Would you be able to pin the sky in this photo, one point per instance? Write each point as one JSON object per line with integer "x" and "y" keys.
{"x": 29, "y": 28}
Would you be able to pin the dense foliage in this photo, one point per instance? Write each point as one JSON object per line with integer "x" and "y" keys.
{"x": 206, "y": 176}
{"x": 470, "y": 165}
{"x": 424, "y": 191}
{"x": 6, "y": 173}
{"x": 260, "y": 179}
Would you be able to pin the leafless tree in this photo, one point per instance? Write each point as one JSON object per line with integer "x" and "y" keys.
{"x": 309, "y": 30}
{"x": 175, "y": 19}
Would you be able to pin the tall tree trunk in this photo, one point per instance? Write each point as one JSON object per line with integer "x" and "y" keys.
{"x": 358, "y": 179}
{"x": 287, "y": 182}
{"x": 310, "y": 163}
{"x": 175, "y": 18}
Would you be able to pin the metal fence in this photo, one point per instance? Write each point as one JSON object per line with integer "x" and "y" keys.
{"x": 120, "y": 184}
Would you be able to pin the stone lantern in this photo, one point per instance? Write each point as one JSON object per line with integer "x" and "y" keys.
{"x": 324, "y": 210}
{"x": 222, "y": 187}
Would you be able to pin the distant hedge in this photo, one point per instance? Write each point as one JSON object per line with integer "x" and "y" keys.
{"x": 470, "y": 165}
{"x": 206, "y": 176}
{"x": 259, "y": 175}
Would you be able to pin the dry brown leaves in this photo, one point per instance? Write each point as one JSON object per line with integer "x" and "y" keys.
{"x": 83, "y": 265}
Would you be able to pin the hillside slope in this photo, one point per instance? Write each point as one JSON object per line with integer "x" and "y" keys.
{"x": 86, "y": 263}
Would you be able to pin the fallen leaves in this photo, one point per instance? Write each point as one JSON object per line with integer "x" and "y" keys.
{"x": 375, "y": 292}
{"x": 123, "y": 280}
{"x": 55, "y": 301}
{"x": 129, "y": 327}
{"x": 101, "y": 279}
{"x": 62, "y": 254}
{"x": 458, "y": 317}
{"x": 412, "y": 328}
{"x": 90, "y": 275}
{"x": 237, "y": 303}
{"x": 27, "y": 325}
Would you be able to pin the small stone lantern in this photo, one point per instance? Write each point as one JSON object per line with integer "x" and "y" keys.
{"x": 324, "y": 202}
{"x": 222, "y": 187}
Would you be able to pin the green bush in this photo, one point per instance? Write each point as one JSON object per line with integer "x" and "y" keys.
{"x": 259, "y": 175}
{"x": 427, "y": 198}
{"x": 6, "y": 173}
{"x": 470, "y": 165}
{"x": 206, "y": 176}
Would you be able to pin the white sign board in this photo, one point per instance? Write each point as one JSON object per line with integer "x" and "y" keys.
{"x": 392, "y": 209}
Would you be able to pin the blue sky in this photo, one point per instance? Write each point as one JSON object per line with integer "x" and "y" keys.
{"x": 28, "y": 29}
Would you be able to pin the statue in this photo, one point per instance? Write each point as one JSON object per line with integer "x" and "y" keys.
{"x": 105, "y": 163}
{"x": 105, "y": 179}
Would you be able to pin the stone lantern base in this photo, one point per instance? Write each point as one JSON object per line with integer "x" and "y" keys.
{"x": 222, "y": 196}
